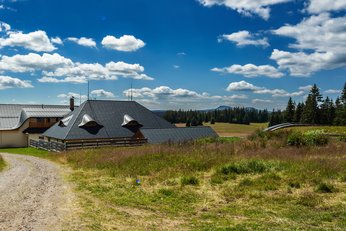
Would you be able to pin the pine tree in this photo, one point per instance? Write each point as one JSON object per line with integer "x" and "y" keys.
{"x": 298, "y": 113}
{"x": 290, "y": 109}
{"x": 311, "y": 110}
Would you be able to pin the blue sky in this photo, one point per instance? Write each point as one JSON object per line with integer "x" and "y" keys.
{"x": 189, "y": 54}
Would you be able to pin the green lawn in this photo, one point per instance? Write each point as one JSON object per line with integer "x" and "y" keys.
{"x": 27, "y": 151}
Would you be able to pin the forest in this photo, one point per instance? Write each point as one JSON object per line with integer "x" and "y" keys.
{"x": 314, "y": 110}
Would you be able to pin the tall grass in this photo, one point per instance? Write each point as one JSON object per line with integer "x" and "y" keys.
{"x": 245, "y": 184}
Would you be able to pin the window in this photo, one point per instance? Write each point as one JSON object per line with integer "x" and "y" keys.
{"x": 48, "y": 120}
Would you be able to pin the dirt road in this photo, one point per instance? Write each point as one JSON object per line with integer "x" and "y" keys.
{"x": 33, "y": 195}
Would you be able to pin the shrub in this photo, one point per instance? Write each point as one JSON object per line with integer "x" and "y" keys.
{"x": 312, "y": 138}
{"x": 316, "y": 138}
{"x": 296, "y": 139}
{"x": 342, "y": 138}
{"x": 254, "y": 166}
{"x": 189, "y": 180}
{"x": 325, "y": 188}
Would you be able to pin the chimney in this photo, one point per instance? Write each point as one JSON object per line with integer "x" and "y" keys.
{"x": 72, "y": 103}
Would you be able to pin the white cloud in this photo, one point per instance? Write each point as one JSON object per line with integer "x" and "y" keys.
{"x": 244, "y": 38}
{"x": 332, "y": 91}
{"x": 80, "y": 72}
{"x": 58, "y": 69}
{"x": 126, "y": 43}
{"x": 77, "y": 79}
{"x": 321, "y": 41}
{"x": 245, "y": 86}
{"x": 319, "y": 6}
{"x": 72, "y": 94}
{"x": 181, "y": 54}
{"x": 247, "y": 7}
{"x": 4, "y": 27}
{"x": 9, "y": 82}
{"x": 303, "y": 64}
{"x": 56, "y": 40}
{"x": 251, "y": 70}
{"x": 33, "y": 62}
{"x": 305, "y": 88}
{"x": 36, "y": 41}
{"x": 176, "y": 66}
{"x": 261, "y": 101}
{"x": 102, "y": 93}
{"x": 87, "y": 42}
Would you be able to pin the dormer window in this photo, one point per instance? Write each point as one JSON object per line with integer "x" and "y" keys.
{"x": 88, "y": 121}
{"x": 64, "y": 122}
{"x": 130, "y": 122}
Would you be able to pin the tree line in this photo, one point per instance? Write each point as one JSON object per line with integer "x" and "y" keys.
{"x": 238, "y": 115}
{"x": 315, "y": 110}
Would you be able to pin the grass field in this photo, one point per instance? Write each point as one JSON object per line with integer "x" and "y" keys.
{"x": 237, "y": 185}
{"x": 2, "y": 164}
{"x": 327, "y": 129}
{"x": 233, "y": 130}
{"x": 223, "y": 184}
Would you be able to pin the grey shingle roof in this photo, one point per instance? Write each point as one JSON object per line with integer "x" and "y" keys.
{"x": 176, "y": 135}
{"x": 110, "y": 115}
{"x": 12, "y": 116}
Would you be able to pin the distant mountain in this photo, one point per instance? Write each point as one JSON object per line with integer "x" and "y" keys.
{"x": 223, "y": 107}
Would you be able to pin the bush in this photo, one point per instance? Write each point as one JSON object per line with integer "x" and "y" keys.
{"x": 342, "y": 138}
{"x": 312, "y": 138}
{"x": 296, "y": 139}
{"x": 316, "y": 138}
{"x": 325, "y": 188}
{"x": 189, "y": 180}
{"x": 254, "y": 166}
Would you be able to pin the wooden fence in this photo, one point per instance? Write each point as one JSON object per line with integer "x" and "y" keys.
{"x": 70, "y": 145}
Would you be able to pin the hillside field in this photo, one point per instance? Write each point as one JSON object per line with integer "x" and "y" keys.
{"x": 255, "y": 183}
{"x": 233, "y": 130}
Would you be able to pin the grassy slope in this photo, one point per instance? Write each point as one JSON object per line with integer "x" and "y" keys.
{"x": 229, "y": 130}
{"x": 239, "y": 186}
{"x": 327, "y": 129}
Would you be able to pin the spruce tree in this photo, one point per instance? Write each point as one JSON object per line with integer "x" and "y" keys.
{"x": 290, "y": 109}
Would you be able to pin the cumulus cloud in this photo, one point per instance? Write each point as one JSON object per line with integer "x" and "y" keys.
{"x": 32, "y": 62}
{"x": 244, "y": 38}
{"x": 321, "y": 40}
{"x": 251, "y": 70}
{"x": 247, "y": 7}
{"x": 36, "y": 41}
{"x": 81, "y": 72}
{"x": 332, "y": 91}
{"x": 127, "y": 43}
{"x": 305, "y": 88}
{"x": 9, "y": 82}
{"x": 102, "y": 93}
{"x": 245, "y": 86}
{"x": 261, "y": 101}
{"x": 58, "y": 69}
{"x": 4, "y": 27}
{"x": 72, "y": 94}
{"x": 87, "y": 42}
{"x": 318, "y": 6}
{"x": 56, "y": 40}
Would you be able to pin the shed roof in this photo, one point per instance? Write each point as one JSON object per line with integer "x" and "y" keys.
{"x": 176, "y": 135}
{"x": 110, "y": 116}
{"x": 12, "y": 116}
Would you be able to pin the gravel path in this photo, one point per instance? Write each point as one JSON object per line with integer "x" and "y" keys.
{"x": 33, "y": 195}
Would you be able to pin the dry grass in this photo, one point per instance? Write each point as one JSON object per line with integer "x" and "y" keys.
{"x": 242, "y": 185}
